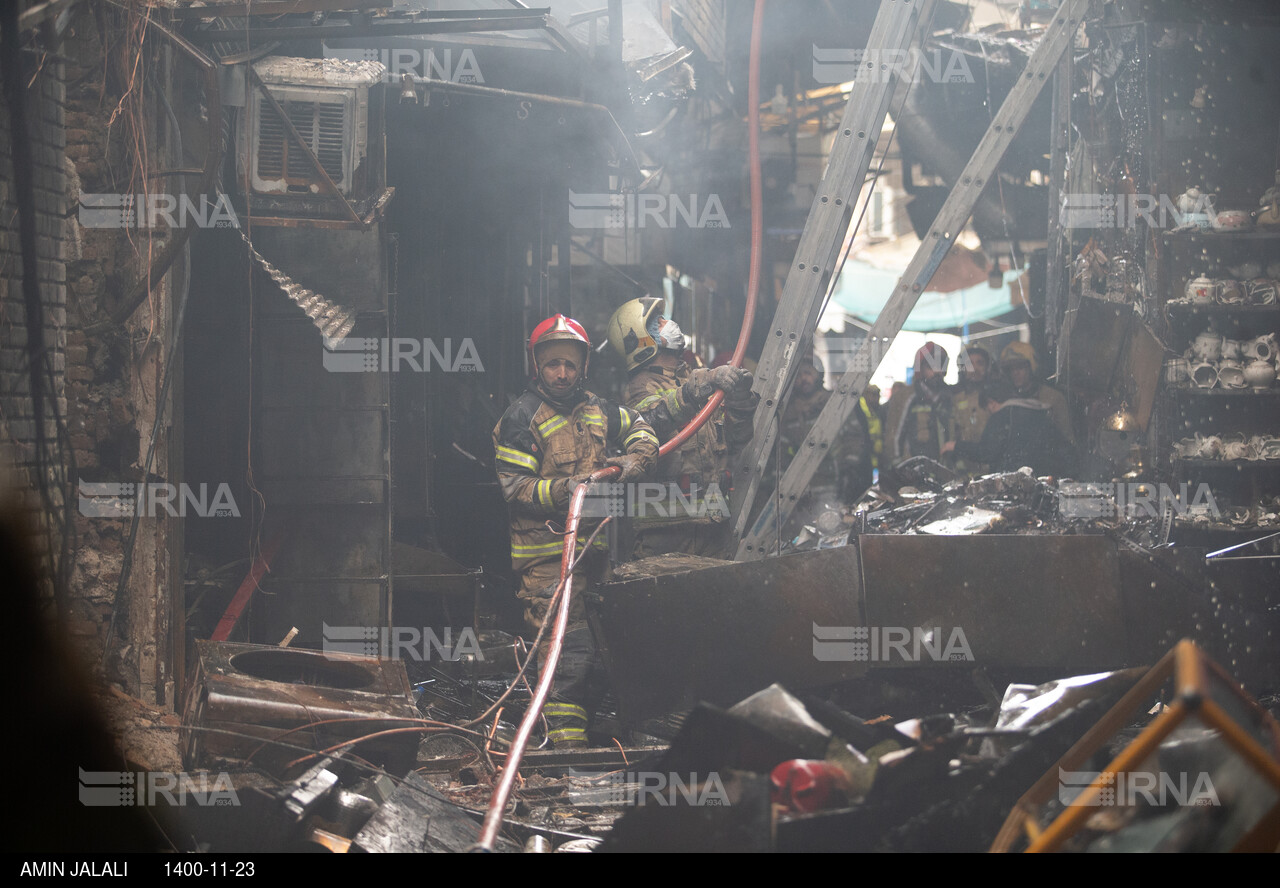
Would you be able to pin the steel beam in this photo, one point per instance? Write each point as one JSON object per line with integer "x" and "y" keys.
{"x": 1057, "y": 39}
{"x": 824, "y": 232}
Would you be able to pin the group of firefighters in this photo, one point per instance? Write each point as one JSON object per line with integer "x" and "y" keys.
{"x": 557, "y": 434}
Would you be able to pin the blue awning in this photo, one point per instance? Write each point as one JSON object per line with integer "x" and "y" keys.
{"x": 863, "y": 290}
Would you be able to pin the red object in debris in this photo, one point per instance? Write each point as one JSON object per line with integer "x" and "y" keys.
{"x": 806, "y": 785}
{"x": 241, "y": 600}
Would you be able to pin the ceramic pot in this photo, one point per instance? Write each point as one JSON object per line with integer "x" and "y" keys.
{"x": 1208, "y": 346}
{"x": 1204, "y": 375}
{"x": 1259, "y": 374}
{"x": 1177, "y": 371}
{"x": 1202, "y": 290}
{"x": 1231, "y": 375}
{"x": 1230, "y": 292}
{"x": 1233, "y": 220}
{"x": 1263, "y": 291}
{"x": 1211, "y": 447}
{"x": 1261, "y": 349}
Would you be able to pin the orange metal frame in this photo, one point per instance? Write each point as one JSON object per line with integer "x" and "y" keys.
{"x": 1190, "y": 669}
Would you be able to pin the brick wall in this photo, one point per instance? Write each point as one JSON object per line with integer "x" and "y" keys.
{"x": 45, "y": 104}
{"x": 109, "y": 381}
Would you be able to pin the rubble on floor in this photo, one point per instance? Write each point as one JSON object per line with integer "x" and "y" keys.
{"x": 775, "y": 771}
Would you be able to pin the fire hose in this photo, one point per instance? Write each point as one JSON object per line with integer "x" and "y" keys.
{"x": 561, "y": 600}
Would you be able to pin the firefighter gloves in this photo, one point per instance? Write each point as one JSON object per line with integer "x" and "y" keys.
{"x": 633, "y": 466}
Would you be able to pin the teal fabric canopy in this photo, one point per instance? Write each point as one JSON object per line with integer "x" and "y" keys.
{"x": 864, "y": 289}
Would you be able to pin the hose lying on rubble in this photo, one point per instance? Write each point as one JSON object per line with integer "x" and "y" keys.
{"x": 561, "y": 600}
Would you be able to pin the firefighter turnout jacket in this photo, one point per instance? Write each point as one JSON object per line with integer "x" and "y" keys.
{"x": 539, "y": 448}
{"x": 656, "y": 393}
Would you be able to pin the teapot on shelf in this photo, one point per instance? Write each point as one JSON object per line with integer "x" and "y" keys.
{"x": 1193, "y": 200}
{"x": 1269, "y": 214}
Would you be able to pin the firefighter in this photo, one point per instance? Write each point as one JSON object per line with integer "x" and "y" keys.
{"x": 869, "y": 404}
{"x": 968, "y": 417}
{"x": 547, "y": 443}
{"x": 668, "y": 394}
{"x": 1019, "y": 433}
{"x": 926, "y": 417}
{"x": 846, "y": 472}
{"x": 1018, "y": 365}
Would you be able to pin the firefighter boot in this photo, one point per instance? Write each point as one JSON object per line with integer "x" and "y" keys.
{"x": 566, "y": 724}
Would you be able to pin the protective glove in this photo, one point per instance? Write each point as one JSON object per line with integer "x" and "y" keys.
{"x": 562, "y": 490}
{"x": 698, "y": 387}
{"x": 730, "y": 379}
{"x": 743, "y": 400}
{"x": 633, "y": 466}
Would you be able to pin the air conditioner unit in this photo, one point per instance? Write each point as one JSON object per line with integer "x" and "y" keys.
{"x": 336, "y": 108}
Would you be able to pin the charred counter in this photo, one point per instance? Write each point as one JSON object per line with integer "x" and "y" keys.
{"x": 677, "y": 629}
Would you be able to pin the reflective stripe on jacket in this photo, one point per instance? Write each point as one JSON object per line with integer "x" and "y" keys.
{"x": 539, "y": 448}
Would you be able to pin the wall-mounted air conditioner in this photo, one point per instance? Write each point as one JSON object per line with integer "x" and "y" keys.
{"x": 336, "y": 107}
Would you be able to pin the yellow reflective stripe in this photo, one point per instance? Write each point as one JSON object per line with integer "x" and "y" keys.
{"x": 518, "y": 458}
{"x": 569, "y": 709}
{"x": 624, "y": 421}
{"x": 595, "y": 421}
{"x": 552, "y": 425}
{"x": 539, "y": 549}
{"x": 543, "y": 549}
{"x": 641, "y": 435}
{"x": 648, "y": 402}
{"x": 672, "y": 397}
{"x": 544, "y": 493}
{"x": 567, "y": 734}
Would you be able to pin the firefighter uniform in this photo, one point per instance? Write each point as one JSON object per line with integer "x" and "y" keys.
{"x": 697, "y": 524}
{"x": 545, "y": 445}
{"x": 925, "y": 424}
{"x": 968, "y": 419}
{"x": 539, "y": 450}
{"x": 845, "y": 473}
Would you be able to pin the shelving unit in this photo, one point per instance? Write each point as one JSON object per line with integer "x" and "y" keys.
{"x": 1216, "y": 127}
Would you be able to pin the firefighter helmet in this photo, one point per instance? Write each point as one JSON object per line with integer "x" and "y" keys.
{"x": 1020, "y": 351}
{"x": 632, "y": 331}
{"x": 558, "y": 328}
{"x": 933, "y": 356}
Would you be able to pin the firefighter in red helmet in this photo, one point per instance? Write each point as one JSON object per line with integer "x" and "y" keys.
{"x": 926, "y": 420}
{"x": 547, "y": 443}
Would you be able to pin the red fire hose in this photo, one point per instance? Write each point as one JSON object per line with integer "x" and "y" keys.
{"x": 498, "y": 802}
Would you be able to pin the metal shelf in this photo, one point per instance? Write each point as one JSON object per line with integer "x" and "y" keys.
{"x": 1228, "y": 463}
{"x": 1226, "y": 393}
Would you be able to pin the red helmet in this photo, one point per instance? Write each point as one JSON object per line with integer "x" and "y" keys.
{"x": 558, "y": 328}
